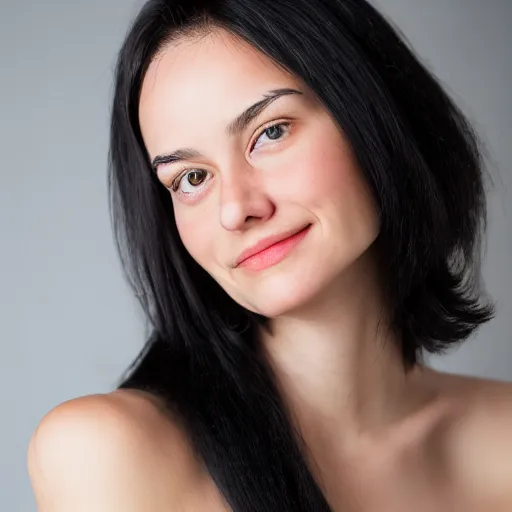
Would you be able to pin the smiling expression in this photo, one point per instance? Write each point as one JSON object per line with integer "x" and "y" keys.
{"x": 236, "y": 179}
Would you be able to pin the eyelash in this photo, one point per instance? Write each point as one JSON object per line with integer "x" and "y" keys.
{"x": 174, "y": 185}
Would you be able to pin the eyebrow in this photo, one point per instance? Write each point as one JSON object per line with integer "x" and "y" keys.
{"x": 234, "y": 128}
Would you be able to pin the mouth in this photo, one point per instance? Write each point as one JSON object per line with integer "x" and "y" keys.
{"x": 271, "y": 250}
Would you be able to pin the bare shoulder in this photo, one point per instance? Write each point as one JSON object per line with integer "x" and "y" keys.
{"x": 115, "y": 451}
{"x": 479, "y": 437}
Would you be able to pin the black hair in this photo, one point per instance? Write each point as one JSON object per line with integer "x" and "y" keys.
{"x": 424, "y": 165}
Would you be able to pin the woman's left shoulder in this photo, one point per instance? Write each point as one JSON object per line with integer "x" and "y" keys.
{"x": 479, "y": 438}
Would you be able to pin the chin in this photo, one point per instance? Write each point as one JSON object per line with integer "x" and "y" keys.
{"x": 298, "y": 282}
{"x": 283, "y": 293}
{"x": 288, "y": 290}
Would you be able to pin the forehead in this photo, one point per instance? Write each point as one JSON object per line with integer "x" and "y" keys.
{"x": 215, "y": 64}
{"x": 215, "y": 76}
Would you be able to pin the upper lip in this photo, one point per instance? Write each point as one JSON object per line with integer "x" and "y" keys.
{"x": 265, "y": 243}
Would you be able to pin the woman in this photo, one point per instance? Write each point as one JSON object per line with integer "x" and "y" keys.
{"x": 299, "y": 208}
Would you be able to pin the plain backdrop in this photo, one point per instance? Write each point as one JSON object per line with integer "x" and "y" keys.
{"x": 68, "y": 324}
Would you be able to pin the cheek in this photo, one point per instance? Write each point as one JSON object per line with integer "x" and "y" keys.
{"x": 325, "y": 172}
{"x": 331, "y": 184}
{"x": 196, "y": 235}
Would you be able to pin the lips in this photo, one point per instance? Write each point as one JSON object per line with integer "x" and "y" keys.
{"x": 267, "y": 242}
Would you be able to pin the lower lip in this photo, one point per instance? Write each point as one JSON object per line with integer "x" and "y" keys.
{"x": 275, "y": 253}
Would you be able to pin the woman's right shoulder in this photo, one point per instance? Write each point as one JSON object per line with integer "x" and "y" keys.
{"x": 112, "y": 451}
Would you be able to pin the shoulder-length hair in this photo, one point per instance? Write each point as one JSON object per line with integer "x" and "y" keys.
{"x": 423, "y": 163}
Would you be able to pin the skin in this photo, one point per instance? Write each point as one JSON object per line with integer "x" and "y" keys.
{"x": 397, "y": 441}
{"x": 324, "y": 298}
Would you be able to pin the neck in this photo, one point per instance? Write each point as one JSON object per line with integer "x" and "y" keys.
{"x": 337, "y": 364}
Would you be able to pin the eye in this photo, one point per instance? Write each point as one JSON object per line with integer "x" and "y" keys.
{"x": 274, "y": 129}
{"x": 195, "y": 177}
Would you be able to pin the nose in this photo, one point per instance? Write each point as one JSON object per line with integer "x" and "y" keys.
{"x": 243, "y": 200}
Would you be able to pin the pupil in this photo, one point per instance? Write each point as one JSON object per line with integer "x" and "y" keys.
{"x": 274, "y": 130}
{"x": 191, "y": 177}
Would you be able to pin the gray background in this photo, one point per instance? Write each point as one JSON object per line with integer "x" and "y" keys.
{"x": 68, "y": 324}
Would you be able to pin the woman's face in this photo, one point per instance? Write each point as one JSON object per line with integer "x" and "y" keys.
{"x": 288, "y": 168}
